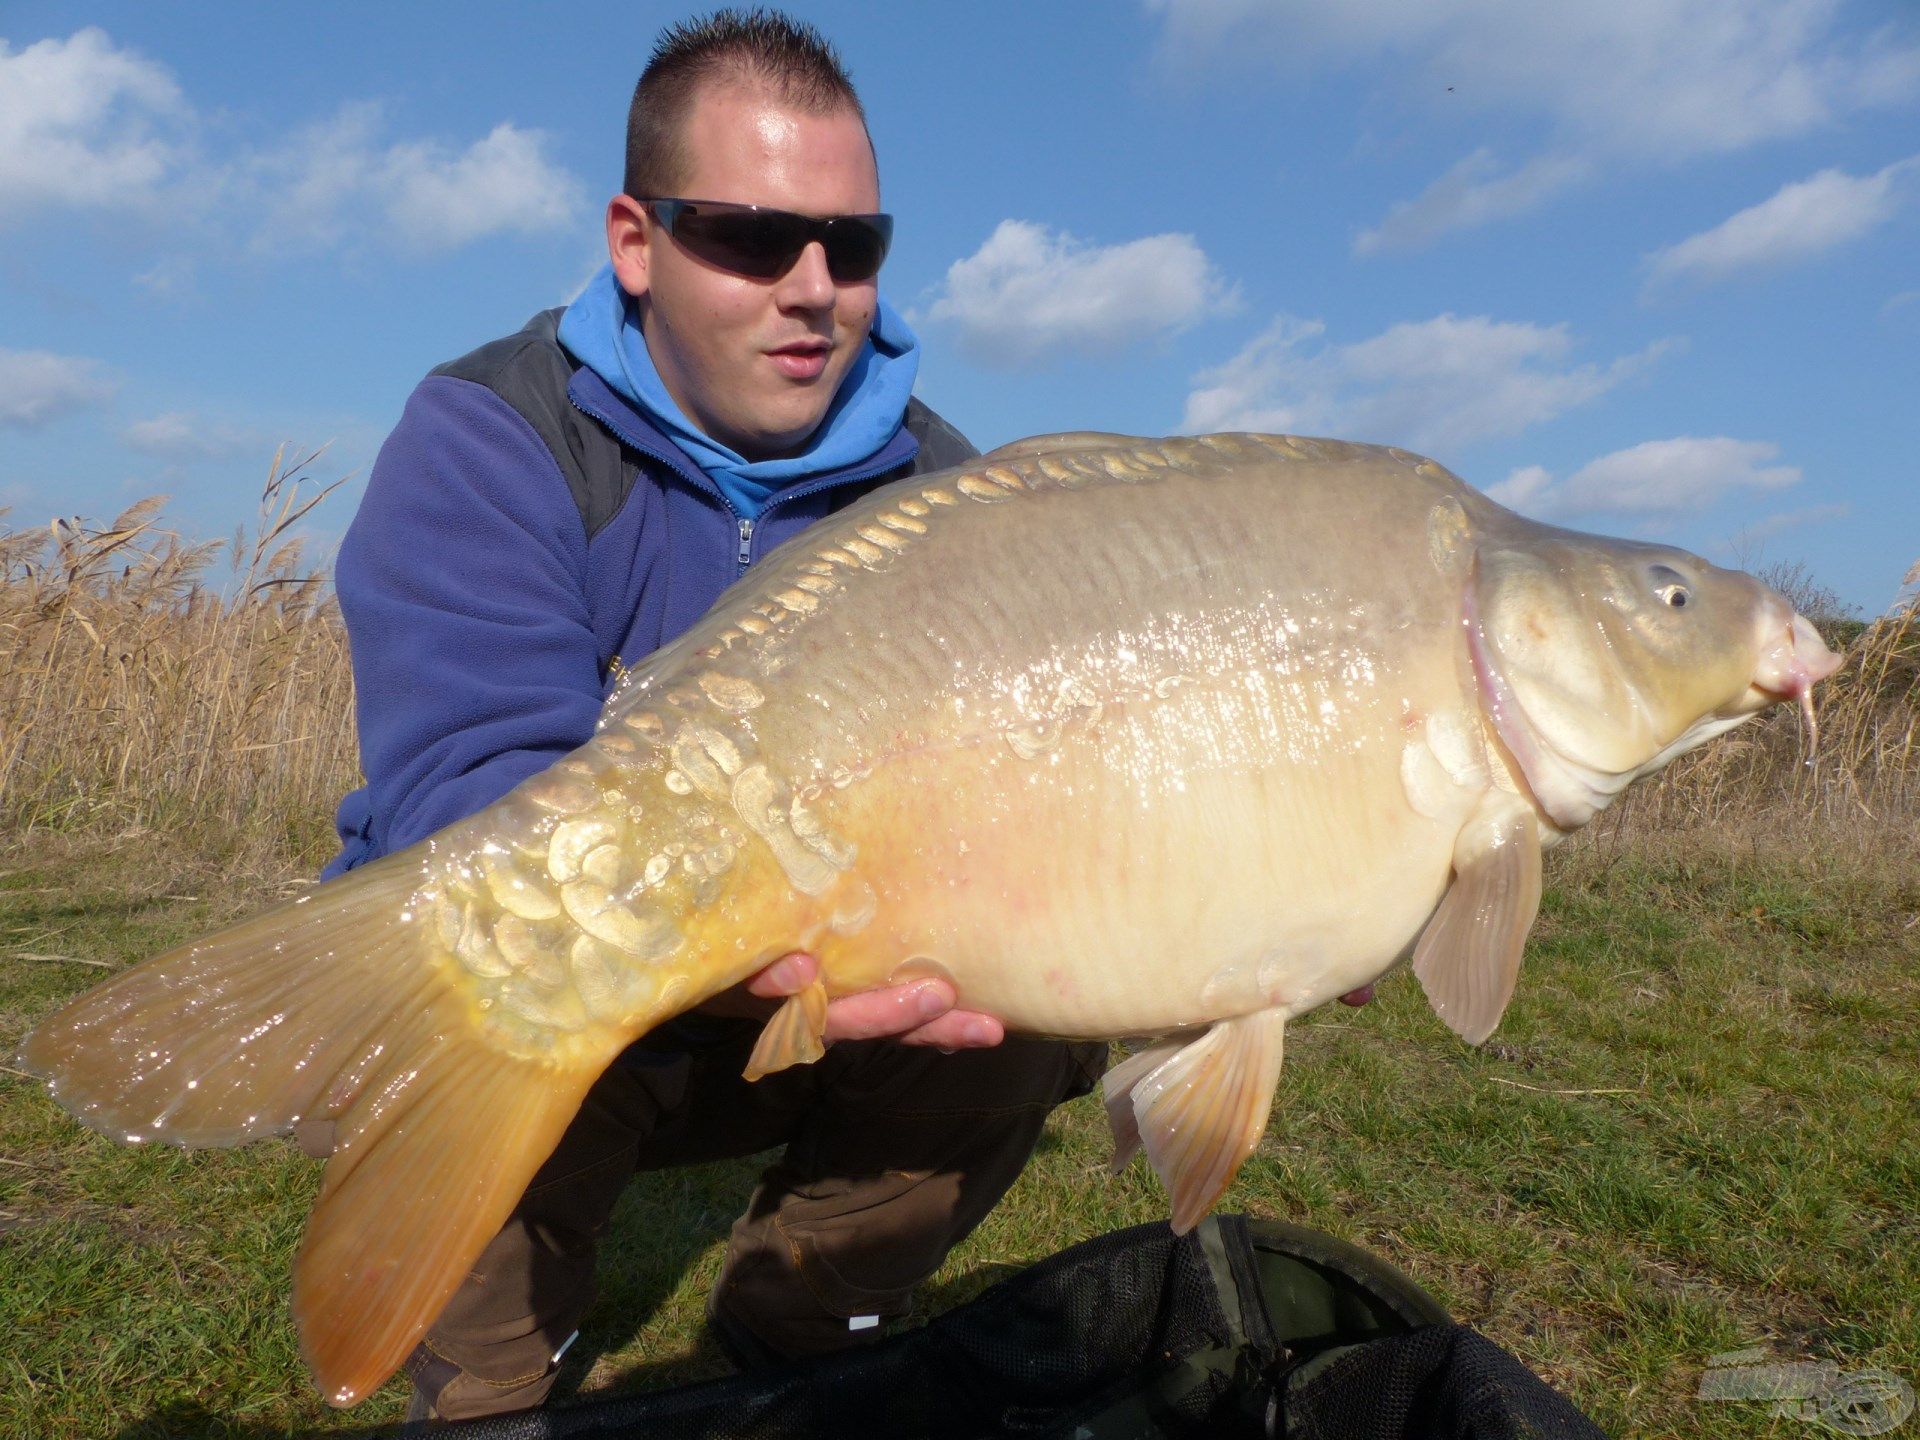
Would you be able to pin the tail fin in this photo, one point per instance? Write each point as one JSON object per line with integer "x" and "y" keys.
{"x": 331, "y": 1006}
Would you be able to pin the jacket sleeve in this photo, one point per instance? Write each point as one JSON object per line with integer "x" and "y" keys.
{"x": 463, "y": 583}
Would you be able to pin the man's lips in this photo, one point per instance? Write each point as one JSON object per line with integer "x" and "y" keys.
{"x": 802, "y": 360}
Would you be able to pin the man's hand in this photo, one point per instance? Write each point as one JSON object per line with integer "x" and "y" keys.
{"x": 920, "y": 1012}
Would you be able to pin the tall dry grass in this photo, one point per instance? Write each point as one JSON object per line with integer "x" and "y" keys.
{"x": 142, "y": 691}
{"x": 136, "y": 694}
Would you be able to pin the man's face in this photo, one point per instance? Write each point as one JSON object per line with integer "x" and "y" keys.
{"x": 753, "y": 363}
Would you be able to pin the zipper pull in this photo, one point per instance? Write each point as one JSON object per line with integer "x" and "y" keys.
{"x": 746, "y": 543}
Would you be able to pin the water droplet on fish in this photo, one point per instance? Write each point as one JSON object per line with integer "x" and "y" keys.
{"x": 1030, "y": 740}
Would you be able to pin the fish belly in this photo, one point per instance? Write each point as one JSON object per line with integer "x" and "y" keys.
{"x": 1137, "y": 876}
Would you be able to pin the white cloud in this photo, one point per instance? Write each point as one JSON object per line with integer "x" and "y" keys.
{"x": 1895, "y": 302}
{"x": 1030, "y": 293}
{"x": 1474, "y": 192}
{"x": 1656, "y": 477}
{"x": 37, "y": 386}
{"x": 178, "y": 436}
{"x": 83, "y": 123}
{"x": 502, "y": 183}
{"x": 1659, "y": 79}
{"x": 1435, "y": 385}
{"x": 1798, "y": 221}
{"x": 328, "y": 182}
{"x": 1523, "y": 488}
{"x": 1752, "y": 536}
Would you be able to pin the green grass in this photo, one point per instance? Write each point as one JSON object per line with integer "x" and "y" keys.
{"x": 1694, "y": 1132}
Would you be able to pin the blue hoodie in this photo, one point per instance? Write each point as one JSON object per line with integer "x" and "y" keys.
{"x": 602, "y": 329}
{"x": 530, "y": 526}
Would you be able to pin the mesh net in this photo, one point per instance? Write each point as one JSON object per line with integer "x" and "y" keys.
{"x": 1241, "y": 1328}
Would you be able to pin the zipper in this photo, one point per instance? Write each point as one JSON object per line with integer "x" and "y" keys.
{"x": 743, "y": 557}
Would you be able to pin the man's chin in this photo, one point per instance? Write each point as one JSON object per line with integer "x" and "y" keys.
{"x": 783, "y": 433}
{"x": 775, "y": 444}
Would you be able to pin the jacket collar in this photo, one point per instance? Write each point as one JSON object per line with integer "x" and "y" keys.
{"x": 593, "y": 397}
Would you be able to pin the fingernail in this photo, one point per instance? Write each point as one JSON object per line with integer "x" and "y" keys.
{"x": 929, "y": 1002}
{"x": 978, "y": 1032}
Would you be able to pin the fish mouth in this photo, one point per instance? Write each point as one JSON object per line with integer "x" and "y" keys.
{"x": 1792, "y": 661}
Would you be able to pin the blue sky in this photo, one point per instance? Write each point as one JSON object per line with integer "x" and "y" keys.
{"x": 1646, "y": 267}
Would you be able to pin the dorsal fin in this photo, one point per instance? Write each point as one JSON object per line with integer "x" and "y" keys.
{"x": 1065, "y": 440}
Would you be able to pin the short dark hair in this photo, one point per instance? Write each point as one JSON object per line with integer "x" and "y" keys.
{"x": 747, "y": 47}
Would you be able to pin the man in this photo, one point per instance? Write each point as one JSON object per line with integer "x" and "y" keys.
{"x": 573, "y": 497}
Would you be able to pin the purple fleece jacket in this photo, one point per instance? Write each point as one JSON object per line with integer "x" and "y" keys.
{"x": 485, "y": 623}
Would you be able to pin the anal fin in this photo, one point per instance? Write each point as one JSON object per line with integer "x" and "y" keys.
{"x": 794, "y": 1036}
{"x": 1201, "y": 1110}
{"x": 1468, "y": 957}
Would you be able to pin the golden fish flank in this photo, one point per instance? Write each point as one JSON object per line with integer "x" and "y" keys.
{"x": 1175, "y": 739}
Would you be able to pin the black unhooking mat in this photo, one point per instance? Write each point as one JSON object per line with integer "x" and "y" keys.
{"x": 1243, "y": 1328}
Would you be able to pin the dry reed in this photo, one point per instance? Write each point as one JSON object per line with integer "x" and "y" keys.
{"x": 134, "y": 696}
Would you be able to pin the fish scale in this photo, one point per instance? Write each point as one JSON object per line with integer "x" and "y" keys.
{"x": 1174, "y": 739}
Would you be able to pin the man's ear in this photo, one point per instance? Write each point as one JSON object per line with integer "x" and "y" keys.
{"x": 629, "y": 242}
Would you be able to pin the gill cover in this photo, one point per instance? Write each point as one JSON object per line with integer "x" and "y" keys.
{"x": 1600, "y": 660}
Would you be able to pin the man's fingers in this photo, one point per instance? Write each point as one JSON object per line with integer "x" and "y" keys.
{"x": 958, "y": 1030}
{"x": 917, "y": 1013}
{"x": 788, "y": 975}
{"x": 896, "y": 1010}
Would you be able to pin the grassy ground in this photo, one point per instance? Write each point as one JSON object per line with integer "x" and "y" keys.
{"x": 1694, "y": 1132}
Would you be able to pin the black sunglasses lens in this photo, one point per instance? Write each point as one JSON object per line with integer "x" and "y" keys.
{"x": 856, "y": 247}
{"x": 766, "y": 243}
{"x": 757, "y": 245}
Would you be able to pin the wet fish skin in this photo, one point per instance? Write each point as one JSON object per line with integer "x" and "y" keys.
{"x": 1126, "y": 737}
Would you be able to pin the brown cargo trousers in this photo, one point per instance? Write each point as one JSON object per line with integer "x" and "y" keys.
{"x": 893, "y": 1154}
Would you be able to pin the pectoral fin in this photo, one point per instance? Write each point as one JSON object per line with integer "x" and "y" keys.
{"x": 1201, "y": 1109}
{"x": 1469, "y": 955}
{"x": 1116, "y": 1087}
{"x": 794, "y": 1036}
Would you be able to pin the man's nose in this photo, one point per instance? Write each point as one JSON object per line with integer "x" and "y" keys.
{"x": 809, "y": 284}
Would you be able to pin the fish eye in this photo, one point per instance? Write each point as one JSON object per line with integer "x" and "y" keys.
{"x": 1669, "y": 586}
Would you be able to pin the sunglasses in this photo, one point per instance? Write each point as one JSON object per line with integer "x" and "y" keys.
{"x": 762, "y": 243}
